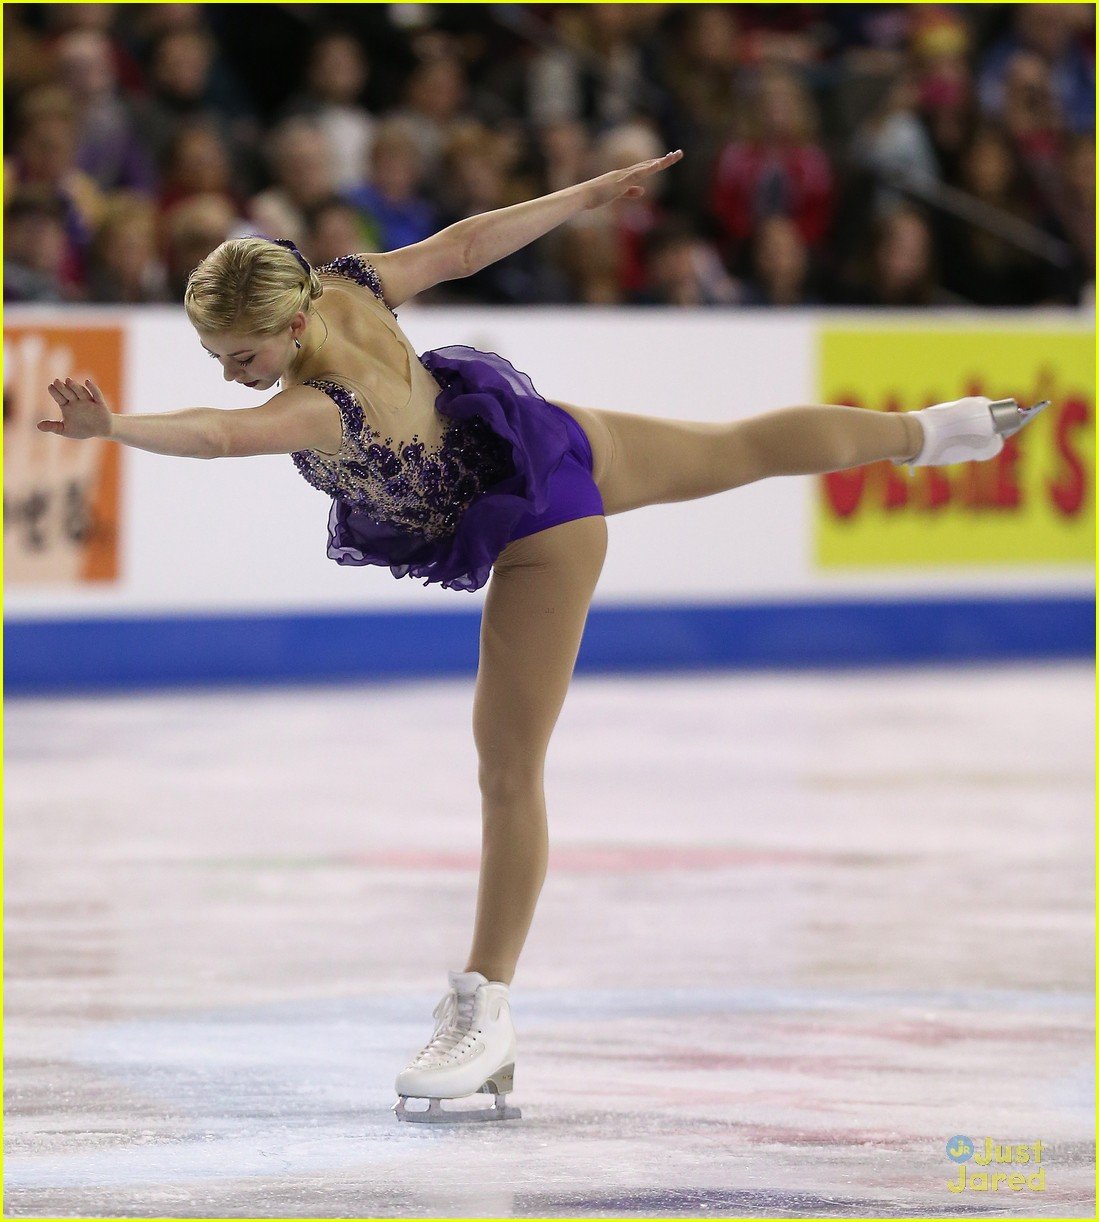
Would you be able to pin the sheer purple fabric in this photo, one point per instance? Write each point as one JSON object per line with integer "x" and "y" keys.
{"x": 544, "y": 441}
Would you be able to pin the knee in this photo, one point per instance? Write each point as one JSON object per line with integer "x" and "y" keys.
{"x": 509, "y": 782}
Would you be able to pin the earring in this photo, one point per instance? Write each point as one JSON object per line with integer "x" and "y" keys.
{"x": 297, "y": 343}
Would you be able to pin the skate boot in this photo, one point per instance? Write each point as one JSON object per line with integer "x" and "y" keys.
{"x": 472, "y": 1052}
{"x": 968, "y": 430}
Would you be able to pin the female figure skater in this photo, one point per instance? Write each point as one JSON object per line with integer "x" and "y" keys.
{"x": 450, "y": 467}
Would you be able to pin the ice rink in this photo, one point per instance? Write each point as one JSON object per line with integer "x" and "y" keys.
{"x": 799, "y": 931}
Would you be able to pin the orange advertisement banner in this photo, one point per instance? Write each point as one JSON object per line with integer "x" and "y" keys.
{"x": 1032, "y": 504}
{"x": 61, "y": 498}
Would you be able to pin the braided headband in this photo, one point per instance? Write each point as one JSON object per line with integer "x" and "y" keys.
{"x": 294, "y": 251}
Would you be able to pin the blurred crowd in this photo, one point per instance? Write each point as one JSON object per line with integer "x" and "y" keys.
{"x": 861, "y": 154}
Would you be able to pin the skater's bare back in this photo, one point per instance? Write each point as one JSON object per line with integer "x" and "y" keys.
{"x": 367, "y": 352}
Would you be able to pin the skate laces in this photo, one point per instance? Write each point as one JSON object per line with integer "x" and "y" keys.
{"x": 453, "y": 1020}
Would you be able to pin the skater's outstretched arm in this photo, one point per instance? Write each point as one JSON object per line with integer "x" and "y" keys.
{"x": 473, "y": 243}
{"x": 494, "y": 235}
{"x": 299, "y": 418}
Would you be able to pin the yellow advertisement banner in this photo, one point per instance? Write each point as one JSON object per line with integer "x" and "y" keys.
{"x": 1032, "y": 504}
{"x": 61, "y": 498}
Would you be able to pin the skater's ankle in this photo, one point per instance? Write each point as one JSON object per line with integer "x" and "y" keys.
{"x": 914, "y": 436}
{"x": 494, "y": 974}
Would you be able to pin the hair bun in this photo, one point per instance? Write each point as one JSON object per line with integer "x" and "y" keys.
{"x": 240, "y": 288}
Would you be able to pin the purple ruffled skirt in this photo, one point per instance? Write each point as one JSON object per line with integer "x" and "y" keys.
{"x": 551, "y": 481}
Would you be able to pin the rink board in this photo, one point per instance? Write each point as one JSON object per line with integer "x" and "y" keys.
{"x": 114, "y": 556}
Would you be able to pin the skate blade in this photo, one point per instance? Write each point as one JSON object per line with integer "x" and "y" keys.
{"x": 435, "y": 1113}
{"x": 1008, "y": 417}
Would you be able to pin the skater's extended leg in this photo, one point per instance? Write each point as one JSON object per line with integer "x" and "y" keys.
{"x": 531, "y": 626}
{"x": 645, "y": 460}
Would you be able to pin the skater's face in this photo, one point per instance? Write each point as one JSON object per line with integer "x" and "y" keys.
{"x": 255, "y": 361}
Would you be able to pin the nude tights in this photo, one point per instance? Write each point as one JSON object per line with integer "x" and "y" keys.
{"x": 537, "y": 603}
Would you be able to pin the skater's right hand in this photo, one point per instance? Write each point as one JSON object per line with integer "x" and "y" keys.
{"x": 84, "y": 411}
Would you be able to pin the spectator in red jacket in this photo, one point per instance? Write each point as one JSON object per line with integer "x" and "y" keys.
{"x": 773, "y": 167}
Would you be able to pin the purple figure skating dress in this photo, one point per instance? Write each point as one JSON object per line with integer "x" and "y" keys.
{"x": 509, "y": 464}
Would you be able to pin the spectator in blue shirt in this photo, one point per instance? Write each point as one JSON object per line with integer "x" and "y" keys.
{"x": 393, "y": 202}
{"x": 1053, "y": 32}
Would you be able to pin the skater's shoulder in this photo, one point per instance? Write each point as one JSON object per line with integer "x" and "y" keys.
{"x": 395, "y": 276}
{"x": 358, "y": 268}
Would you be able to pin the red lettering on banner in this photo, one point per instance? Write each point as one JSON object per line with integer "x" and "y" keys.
{"x": 896, "y": 486}
{"x": 844, "y": 490}
{"x": 1066, "y": 492}
{"x": 993, "y": 485}
{"x": 936, "y": 488}
{"x": 1006, "y": 493}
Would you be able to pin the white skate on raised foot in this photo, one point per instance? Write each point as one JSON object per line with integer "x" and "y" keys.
{"x": 968, "y": 430}
{"x": 472, "y": 1052}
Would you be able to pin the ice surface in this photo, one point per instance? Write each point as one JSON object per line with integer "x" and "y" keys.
{"x": 799, "y": 930}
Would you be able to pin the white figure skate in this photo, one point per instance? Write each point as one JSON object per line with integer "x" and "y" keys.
{"x": 472, "y": 1052}
{"x": 968, "y": 430}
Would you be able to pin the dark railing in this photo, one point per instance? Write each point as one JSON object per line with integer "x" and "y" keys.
{"x": 993, "y": 220}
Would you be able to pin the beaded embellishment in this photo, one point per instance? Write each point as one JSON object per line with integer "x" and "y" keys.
{"x": 354, "y": 267}
{"x": 411, "y": 488}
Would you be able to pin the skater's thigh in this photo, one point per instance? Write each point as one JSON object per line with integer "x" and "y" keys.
{"x": 648, "y": 460}
{"x": 531, "y": 626}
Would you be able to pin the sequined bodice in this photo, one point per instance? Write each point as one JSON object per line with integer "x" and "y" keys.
{"x": 405, "y": 484}
{"x": 414, "y": 488}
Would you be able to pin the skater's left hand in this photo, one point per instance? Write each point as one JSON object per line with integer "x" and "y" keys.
{"x": 618, "y": 183}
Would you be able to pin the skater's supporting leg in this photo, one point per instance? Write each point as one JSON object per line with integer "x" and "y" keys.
{"x": 531, "y": 625}
{"x": 644, "y": 460}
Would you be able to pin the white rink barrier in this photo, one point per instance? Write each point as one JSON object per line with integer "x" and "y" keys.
{"x": 98, "y": 532}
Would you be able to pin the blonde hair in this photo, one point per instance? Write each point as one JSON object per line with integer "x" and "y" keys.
{"x": 249, "y": 286}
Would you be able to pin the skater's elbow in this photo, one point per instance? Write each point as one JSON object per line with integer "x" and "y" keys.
{"x": 228, "y": 441}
